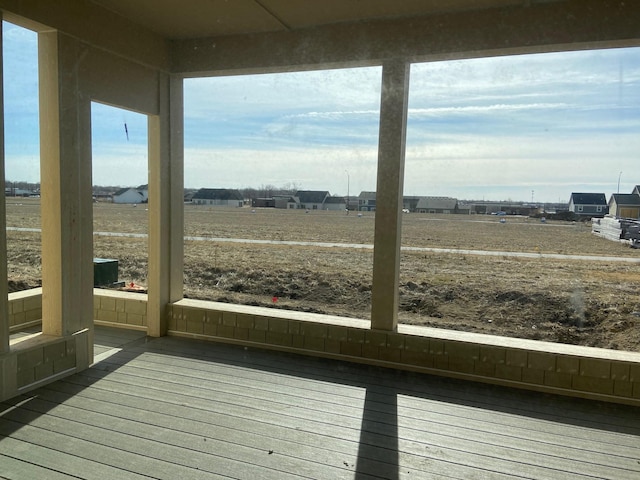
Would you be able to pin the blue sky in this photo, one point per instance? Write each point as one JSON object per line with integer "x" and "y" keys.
{"x": 520, "y": 127}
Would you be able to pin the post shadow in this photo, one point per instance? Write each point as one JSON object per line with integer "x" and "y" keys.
{"x": 378, "y": 438}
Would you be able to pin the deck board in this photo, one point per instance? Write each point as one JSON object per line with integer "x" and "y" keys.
{"x": 443, "y": 431}
{"x": 15, "y": 468}
{"x": 177, "y": 408}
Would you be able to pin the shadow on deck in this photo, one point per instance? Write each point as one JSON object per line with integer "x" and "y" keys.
{"x": 176, "y": 408}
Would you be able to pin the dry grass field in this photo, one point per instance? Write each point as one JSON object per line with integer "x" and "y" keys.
{"x": 576, "y": 301}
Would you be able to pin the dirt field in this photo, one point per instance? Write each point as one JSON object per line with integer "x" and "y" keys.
{"x": 582, "y": 302}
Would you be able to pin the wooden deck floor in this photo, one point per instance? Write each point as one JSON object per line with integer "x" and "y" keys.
{"x": 178, "y": 409}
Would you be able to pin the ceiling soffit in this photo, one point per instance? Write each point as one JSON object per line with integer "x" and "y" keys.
{"x": 212, "y": 18}
{"x": 540, "y": 27}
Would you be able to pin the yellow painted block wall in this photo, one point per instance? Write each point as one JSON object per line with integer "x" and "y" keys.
{"x": 120, "y": 308}
{"x": 567, "y": 369}
{"x": 25, "y": 308}
{"x": 564, "y": 369}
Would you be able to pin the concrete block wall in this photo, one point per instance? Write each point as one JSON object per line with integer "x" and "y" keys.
{"x": 549, "y": 367}
{"x": 37, "y": 359}
{"x": 46, "y": 358}
{"x": 25, "y": 308}
{"x": 581, "y": 371}
{"x": 109, "y": 308}
{"x": 124, "y": 309}
{"x": 565, "y": 369}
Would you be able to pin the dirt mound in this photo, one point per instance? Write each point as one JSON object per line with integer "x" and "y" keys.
{"x": 19, "y": 285}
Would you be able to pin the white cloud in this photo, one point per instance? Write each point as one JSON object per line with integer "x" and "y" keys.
{"x": 485, "y": 109}
{"x": 296, "y": 92}
{"x": 497, "y": 164}
{"x": 554, "y": 123}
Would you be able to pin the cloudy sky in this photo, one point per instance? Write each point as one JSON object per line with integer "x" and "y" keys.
{"x": 522, "y": 127}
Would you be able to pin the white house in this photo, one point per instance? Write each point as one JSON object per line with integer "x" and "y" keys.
{"x": 132, "y": 195}
{"x": 308, "y": 199}
{"x": 335, "y": 204}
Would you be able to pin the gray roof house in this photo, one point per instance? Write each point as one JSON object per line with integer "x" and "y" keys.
{"x": 309, "y": 199}
{"x": 410, "y": 202}
{"x": 625, "y": 205}
{"x": 222, "y": 197}
{"x": 132, "y": 195}
{"x": 367, "y": 201}
{"x": 335, "y": 203}
{"x": 588, "y": 204}
{"x": 437, "y": 205}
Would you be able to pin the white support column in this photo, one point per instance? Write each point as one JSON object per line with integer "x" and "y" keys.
{"x": 166, "y": 204}
{"x": 67, "y": 207}
{"x": 4, "y": 310}
{"x": 391, "y": 151}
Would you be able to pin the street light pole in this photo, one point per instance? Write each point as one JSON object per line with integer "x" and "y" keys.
{"x": 347, "y": 172}
{"x": 619, "y": 175}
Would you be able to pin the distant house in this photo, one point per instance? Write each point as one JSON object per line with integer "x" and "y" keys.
{"x": 352, "y": 202}
{"x": 335, "y": 203}
{"x": 263, "y": 202}
{"x": 410, "y": 203}
{"x": 18, "y": 192}
{"x": 588, "y": 204}
{"x": 437, "y": 205}
{"x": 188, "y": 197}
{"x": 219, "y": 197}
{"x": 367, "y": 201}
{"x": 284, "y": 201}
{"x": 308, "y": 199}
{"x": 132, "y": 195}
{"x": 625, "y": 205}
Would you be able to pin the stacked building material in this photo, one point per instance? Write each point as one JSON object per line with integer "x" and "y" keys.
{"x": 632, "y": 233}
{"x": 617, "y": 229}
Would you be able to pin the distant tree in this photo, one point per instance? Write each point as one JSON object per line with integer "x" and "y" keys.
{"x": 266, "y": 191}
{"x": 249, "y": 193}
{"x": 21, "y": 185}
{"x": 290, "y": 188}
{"x": 104, "y": 189}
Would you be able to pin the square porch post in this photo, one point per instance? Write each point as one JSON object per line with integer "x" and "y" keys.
{"x": 66, "y": 204}
{"x": 166, "y": 204}
{"x": 388, "y": 226}
{"x": 4, "y": 301}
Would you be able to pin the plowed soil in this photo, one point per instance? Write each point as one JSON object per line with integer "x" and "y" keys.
{"x": 577, "y": 301}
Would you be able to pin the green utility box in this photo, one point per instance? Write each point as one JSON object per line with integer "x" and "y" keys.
{"x": 105, "y": 272}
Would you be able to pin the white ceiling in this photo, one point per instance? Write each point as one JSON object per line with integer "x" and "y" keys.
{"x": 204, "y": 18}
